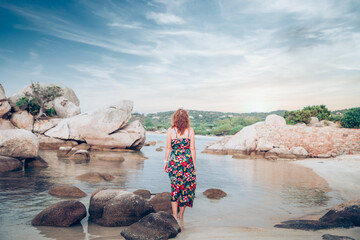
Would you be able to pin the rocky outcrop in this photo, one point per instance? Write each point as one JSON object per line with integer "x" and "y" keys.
{"x": 345, "y": 215}
{"x": 67, "y": 191}
{"x": 8, "y": 164}
{"x": 214, "y": 193}
{"x": 95, "y": 177}
{"x": 145, "y": 194}
{"x": 288, "y": 141}
{"x": 114, "y": 207}
{"x": 161, "y": 202}
{"x": 23, "y": 120}
{"x": 160, "y": 225}
{"x": 18, "y": 143}
{"x": 61, "y": 214}
{"x": 65, "y": 108}
{"x": 4, "y": 104}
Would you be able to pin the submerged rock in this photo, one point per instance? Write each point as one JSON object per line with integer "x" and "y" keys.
{"x": 67, "y": 191}
{"x": 36, "y": 162}
{"x": 18, "y": 143}
{"x": 80, "y": 156}
{"x": 161, "y": 202}
{"x": 155, "y": 226}
{"x": 61, "y": 214}
{"x": 214, "y": 193}
{"x": 115, "y": 207}
{"x": 95, "y": 177}
{"x": 8, "y": 164}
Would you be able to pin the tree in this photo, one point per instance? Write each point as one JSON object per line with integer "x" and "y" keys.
{"x": 351, "y": 118}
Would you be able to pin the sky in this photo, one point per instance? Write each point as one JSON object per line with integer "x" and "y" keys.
{"x": 216, "y": 55}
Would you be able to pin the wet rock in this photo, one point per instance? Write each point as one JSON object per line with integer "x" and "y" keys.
{"x": 23, "y": 120}
{"x": 64, "y": 152}
{"x": 83, "y": 146}
{"x": 80, "y": 156}
{"x": 240, "y": 156}
{"x": 37, "y": 162}
{"x": 95, "y": 177}
{"x": 6, "y": 124}
{"x": 161, "y": 202}
{"x": 275, "y": 120}
{"x": 160, "y": 225}
{"x": 335, "y": 237}
{"x": 49, "y": 143}
{"x": 18, "y": 143}
{"x": 67, "y": 191}
{"x": 159, "y": 149}
{"x": 214, "y": 193}
{"x": 145, "y": 194}
{"x": 345, "y": 215}
{"x": 8, "y": 164}
{"x": 115, "y": 207}
{"x": 61, "y": 214}
{"x": 271, "y": 156}
{"x": 65, "y": 108}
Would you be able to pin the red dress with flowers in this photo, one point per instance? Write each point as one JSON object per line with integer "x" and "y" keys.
{"x": 181, "y": 172}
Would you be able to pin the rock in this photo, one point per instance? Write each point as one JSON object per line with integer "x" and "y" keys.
{"x": 214, "y": 193}
{"x": 240, "y": 156}
{"x": 335, "y": 237}
{"x": 41, "y": 126}
{"x": 49, "y": 143}
{"x": 108, "y": 156}
{"x": 18, "y": 143}
{"x": 275, "y": 120}
{"x": 61, "y": 214}
{"x": 8, "y": 164}
{"x": 159, "y": 149}
{"x": 23, "y": 120}
{"x": 299, "y": 152}
{"x": 263, "y": 145}
{"x": 115, "y": 207}
{"x": 161, "y": 202}
{"x": 271, "y": 156}
{"x": 67, "y": 191}
{"x": 2, "y": 92}
{"x": 80, "y": 156}
{"x": 327, "y": 123}
{"x": 65, "y": 108}
{"x": 83, "y": 146}
{"x": 35, "y": 162}
{"x": 160, "y": 225}
{"x": 67, "y": 93}
{"x": 283, "y": 152}
{"x": 151, "y": 143}
{"x": 345, "y": 215}
{"x": 6, "y": 124}
{"x": 65, "y": 152}
{"x": 95, "y": 177}
{"x": 313, "y": 121}
{"x": 324, "y": 155}
{"x": 145, "y": 194}
{"x": 4, "y": 104}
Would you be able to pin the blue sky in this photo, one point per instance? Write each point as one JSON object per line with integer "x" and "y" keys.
{"x": 224, "y": 55}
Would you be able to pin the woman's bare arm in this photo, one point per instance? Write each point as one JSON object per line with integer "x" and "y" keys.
{"x": 167, "y": 149}
{"x": 192, "y": 146}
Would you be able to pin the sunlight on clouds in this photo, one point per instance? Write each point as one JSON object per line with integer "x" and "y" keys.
{"x": 164, "y": 18}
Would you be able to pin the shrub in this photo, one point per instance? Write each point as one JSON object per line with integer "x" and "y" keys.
{"x": 32, "y": 105}
{"x": 351, "y": 118}
{"x": 22, "y": 103}
{"x": 304, "y": 115}
{"x": 50, "y": 112}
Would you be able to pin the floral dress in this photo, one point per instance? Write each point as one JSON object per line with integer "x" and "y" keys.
{"x": 181, "y": 172}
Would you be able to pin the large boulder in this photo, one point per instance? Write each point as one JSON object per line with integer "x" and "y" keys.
{"x": 67, "y": 93}
{"x": 155, "y": 226}
{"x": 8, "y": 164}
{"x": 61, "y": 214}
{"x": 145, "y": 194}
{"x": 6, "y": 124}
{"x": 18, "y": 143}
{"x": 4, "y": 104}
{"x": 161, "y": 202}
{"x": 65, "y": 108}
{"x": 115, "y": 207}
{"x": 275, "y": 120}
{"x": 49, "y": 143}
{"x": 67, "y": 191}
{"x": 102, "y": 121}
{"x": 345, "y": 215}
{"x": 41, "y": 126}
{"x": 23, "y": 120}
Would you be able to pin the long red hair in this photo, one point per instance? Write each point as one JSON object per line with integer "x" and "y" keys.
{"x": 180, "y": 120}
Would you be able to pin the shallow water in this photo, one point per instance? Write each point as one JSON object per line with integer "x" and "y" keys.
{"x": 260, "y": 193}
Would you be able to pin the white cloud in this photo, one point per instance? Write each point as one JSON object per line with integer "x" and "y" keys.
{"x": 164, "y": 18}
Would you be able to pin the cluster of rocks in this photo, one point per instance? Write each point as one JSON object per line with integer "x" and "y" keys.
{"x": 113, "y": 208}
{"x": 71, "y": 133}
{"x": 273, "y": 139}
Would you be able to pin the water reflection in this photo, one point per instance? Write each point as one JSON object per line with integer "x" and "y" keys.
{"x": 259, "y": 192}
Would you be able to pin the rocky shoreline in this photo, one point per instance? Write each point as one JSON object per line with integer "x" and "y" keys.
{"x": 273, "y": 139}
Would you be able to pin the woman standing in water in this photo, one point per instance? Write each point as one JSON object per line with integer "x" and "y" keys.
{"x": 180, "y": 162}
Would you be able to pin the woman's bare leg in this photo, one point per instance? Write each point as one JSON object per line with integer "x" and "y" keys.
{"x": 174, "y": 206}
{"x": 182, "y": 210}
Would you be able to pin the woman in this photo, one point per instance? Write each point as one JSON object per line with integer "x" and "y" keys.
{"x": 180, "y": 162}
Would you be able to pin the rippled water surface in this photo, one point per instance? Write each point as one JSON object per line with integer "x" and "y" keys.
{"x": 260, "y": 193}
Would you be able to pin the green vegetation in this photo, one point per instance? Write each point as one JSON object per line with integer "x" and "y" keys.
{"x": 304, "y": 115}
{"x": 351, "y": 118}
{"x": 35, "y": 101}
